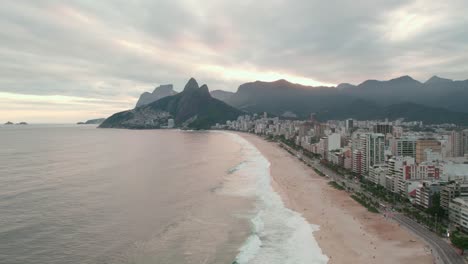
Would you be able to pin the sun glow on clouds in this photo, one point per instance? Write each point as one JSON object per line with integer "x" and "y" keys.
{"x": 219, "y": 72}
{"x": 99, "y": 49}
{"x": 56, "y": 108}
{"x": 236, "y": 74}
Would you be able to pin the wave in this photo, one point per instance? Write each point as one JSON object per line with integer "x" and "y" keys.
{"x": 278, "y": 234}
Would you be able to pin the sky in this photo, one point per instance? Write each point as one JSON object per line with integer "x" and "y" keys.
{"x": 69, "y": 61}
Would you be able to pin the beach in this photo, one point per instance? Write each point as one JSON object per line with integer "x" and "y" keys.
{"x": 347, "y": 233}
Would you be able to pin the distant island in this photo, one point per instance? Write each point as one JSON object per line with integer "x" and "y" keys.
{"x": 193, "y": 108}
{"x": 9, "y": 123}
{"x": 96, "y": 121}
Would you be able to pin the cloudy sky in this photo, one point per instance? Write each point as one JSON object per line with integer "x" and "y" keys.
{"x": 66, "y": 61}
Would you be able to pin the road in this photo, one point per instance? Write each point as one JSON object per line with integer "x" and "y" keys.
{"x": 444, "y": 252}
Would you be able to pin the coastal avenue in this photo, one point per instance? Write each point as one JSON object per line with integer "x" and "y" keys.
{"x": 444, "y": 252}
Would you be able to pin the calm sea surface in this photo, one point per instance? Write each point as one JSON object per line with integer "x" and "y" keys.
{"x": 77, "y": 194}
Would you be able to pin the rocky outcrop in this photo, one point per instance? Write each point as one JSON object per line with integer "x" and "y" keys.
{"x": 96, "y": 121}
{"x": 158, "y": 93}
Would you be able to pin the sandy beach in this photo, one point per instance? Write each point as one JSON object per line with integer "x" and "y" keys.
{"x": 348, "y": 232}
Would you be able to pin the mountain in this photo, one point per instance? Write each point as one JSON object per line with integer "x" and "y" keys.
{"x": 436, "y": 80}
{"x": 158, "y": 93}
{"x": 193, "y": 108}
{"x": 221, "y": 95}
{"x": 397, "y": 90}
{"x": 96, "y": 121}
{"x": 282, "y": 96}
{"x": 367, "y": 110}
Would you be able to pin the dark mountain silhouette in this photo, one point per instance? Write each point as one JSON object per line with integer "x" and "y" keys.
{"x": 368, "y": 100}
{"x": 192, "y": 108}
{"x": 221, "y": 95}
{"x": 158, "y": 93}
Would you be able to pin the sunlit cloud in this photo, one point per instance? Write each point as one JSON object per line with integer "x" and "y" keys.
{"x": 252, "y": 74}
{"x": 56, "y": 108}
{"x": 415, "y": 18}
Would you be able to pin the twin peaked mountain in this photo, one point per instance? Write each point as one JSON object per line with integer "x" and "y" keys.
{"x": 193, "y": 108}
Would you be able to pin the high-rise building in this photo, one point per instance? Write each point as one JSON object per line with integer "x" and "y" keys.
{"x": 406, "y": 147}
{"x": 457, "y": 144}
{"x": 377, "y": 174}
{"x": 349, "y": 125}
{"x": 320, "y": 129}
{"x": 305, "y": 128}
{"x": 334, "y": 141}
{"x": 458, "y": 213}
{"x": 358, "y": 148}
{"x": 375, "y": 149}
{"x": 313, "y": 118}
{"x": 397, "y": 131}
{"x": 170, "y": 123}
{"x": 452, "y": 191}
{"x": 422, "y": 145}
{"x": 383, "y": 129}
{"x": 368, "y": 150}
{"x": 425, "y": 194}
{"x": 465, "y": 140}
{"x": 399, "y": 171}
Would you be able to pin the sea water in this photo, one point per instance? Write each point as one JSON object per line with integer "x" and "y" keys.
{"x": 78, "y": 194}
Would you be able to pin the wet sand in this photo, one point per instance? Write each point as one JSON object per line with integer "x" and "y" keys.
{"x": 348, "y": 232}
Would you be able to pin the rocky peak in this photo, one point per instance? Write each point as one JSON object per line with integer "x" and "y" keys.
{"x": 406, "y": 79}
{"x": 166, "y": 88}
{"x": 344, "y": 86}
{"x": 205, "y": 91}
{"x": 192, "y": 85}
{"x": 437, "y": 80}
{"x": 158, "y": 93}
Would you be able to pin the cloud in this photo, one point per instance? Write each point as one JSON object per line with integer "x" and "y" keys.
{"x": 115, "y": 50}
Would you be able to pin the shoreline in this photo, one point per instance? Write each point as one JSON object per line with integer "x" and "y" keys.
{"x": 348, "y": 232}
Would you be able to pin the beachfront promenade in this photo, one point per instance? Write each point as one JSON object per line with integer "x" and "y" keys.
{"x": 443, "y": 252}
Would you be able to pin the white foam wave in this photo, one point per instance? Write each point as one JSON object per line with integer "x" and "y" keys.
{"x": 279, "y": 235}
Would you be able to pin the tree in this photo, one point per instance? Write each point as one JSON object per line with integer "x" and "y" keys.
{"x": 459, "y": 240}
{"x": 436, "y": 211}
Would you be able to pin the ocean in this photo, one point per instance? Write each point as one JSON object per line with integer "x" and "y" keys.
{"x": 78, "y": 194}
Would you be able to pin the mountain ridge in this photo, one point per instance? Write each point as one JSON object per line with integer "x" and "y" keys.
{"x": 193, "y": 108}
{"x": 281, "y": 96}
